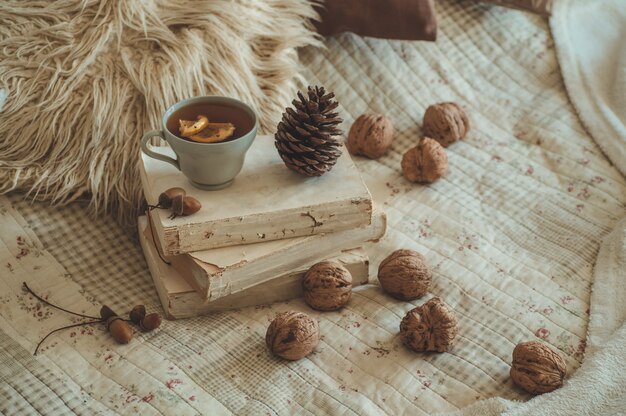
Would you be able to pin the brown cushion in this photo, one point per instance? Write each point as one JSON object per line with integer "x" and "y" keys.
{"x": 543, "y": 7}
{"x": 391, "y": 19}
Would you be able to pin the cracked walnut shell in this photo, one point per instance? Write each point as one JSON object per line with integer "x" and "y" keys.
{"x": 446, "y": 123}
{"x": 537, "y": 368}
{"x": 292, "y": 335}
{"x": 370, "y": 136}
{"x": 404, "y": 274}
{"x": 425, "y": 162}
{"x": 327, "y": 286}
{"x": 430, "y": 327}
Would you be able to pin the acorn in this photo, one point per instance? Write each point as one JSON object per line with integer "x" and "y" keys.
{"x": 166, "y": 197}
{"x": 150, "y": 321}
{"x": 137, "y": 314}
{"x": 117, "y": 327}
{"x": 146, "y": 322}
{"x": 183, "y": 205}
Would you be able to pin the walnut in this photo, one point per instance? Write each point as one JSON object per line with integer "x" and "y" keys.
{"x": 425, "y": 162}
{"x": 404, "y": 274}
{"x": 446, "y": 123}
{"x": 430, "y": 327}
{"x": 537, "y": 368}
{"x": 292, "y": 335}
{"x": 327, "y": 286}
{"x": 370, "y": 136}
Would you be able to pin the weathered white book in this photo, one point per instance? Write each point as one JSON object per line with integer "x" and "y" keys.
{"x": 180, "y": 300}
{"x": 266, "y": 202}
{"x": 227, "y": 270}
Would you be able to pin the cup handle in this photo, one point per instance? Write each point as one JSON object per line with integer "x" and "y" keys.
{"x": 155, "y": 155}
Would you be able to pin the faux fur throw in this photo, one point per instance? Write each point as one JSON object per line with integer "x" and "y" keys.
{"x": 86, "y": 78}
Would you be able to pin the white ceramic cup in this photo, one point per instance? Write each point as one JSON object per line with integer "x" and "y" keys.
{"x": 209, "y": 166}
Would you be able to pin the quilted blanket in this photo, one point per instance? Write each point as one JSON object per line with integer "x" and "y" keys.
{"x": 512, "y": 234}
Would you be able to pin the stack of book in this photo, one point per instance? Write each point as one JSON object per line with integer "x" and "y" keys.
{"x": 251, "y": 243}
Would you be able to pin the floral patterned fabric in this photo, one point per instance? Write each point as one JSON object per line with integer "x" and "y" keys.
{"x": 511, "y": 234}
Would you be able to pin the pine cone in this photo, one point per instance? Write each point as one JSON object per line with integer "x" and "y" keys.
{"x": 305, "y": 136}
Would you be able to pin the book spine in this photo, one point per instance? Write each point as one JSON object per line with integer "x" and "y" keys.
{"x": 316, "y": 248}
{"x": 278, "y": 289}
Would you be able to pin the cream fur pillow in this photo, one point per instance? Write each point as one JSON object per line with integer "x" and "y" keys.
{"x": 86, "y": 79}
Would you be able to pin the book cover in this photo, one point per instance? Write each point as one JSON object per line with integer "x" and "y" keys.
{"x": 266, "y": 202}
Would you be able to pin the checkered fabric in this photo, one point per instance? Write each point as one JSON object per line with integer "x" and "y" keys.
{"x": 511, "y": 235}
